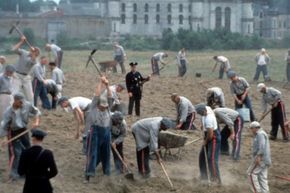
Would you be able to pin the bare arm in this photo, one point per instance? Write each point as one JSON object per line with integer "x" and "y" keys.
{"x": 19, "y": 44}
{"x": 214, "y": 67}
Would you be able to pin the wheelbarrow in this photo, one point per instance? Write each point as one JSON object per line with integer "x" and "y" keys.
{"x": 169, "y": 140}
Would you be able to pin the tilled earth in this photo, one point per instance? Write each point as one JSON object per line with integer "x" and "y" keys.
{"x": 184, "y": 172}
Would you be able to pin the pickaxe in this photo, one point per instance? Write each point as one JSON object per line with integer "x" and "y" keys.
{"x": 91, "y": 59}
{"x": 20, "y": 34}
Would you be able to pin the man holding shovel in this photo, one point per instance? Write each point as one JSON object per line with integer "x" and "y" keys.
{"x": 14, "y": 123}
{"x": 225, "y": 66}
{"x": 209, "y": 154}
{"x": 240, "y": 90}
{"x": 233, "y": 129}
{"x": 215, "y": 97}
{"x": 145, "y": 132}
{"x": 258, "y": 170}
{"x": 118, "y": 131}
{"x": 185, "y": 112}
{"x": 22, "y": 69}
{"x": 273, "y": 97}
{"x": 155, "y": 60}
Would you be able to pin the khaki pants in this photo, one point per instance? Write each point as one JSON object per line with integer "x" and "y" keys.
{"x": 22, "y": 83}
{"x": 258, "y": 177}
{"x": 59, "y": 88}
{"x": 5, "y": 101}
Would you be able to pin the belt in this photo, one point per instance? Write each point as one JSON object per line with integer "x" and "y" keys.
{"x": 21, "y": 73}
{"x": 8, "y": 93}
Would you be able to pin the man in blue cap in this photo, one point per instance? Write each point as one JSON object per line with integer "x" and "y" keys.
{"x": 37, "y": 165}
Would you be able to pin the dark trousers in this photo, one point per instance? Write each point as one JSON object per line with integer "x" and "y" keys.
{"x": 188, "y": 124}
{"x": 120, "y": 60}
{"x": 53, "y": 100}
{"x": 247, "y": 102}
{"x": 133, "y": 100}
{"x": 238, "y": 127}
{"x": 225, "y": 134}
{"x": 117, "y": 161}
{"x": 15, "y": 149}
{"x": 155, "y": 67}
{"x": 212, "y": 151}
{"x": 278, "y": 116}
{"x": 182, "y": 68}
{"x": 58, "y": 60}
{"x": 222, "y": 71}
{"x": 98, "y": 150}
{"x": 264, "y": 70}
{"x": 143, "y": 161}
{"x": 40, "y": 90}
{"x": 288, "y": 72}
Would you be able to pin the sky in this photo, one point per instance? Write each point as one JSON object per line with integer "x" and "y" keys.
{"x": 53, "y": 0}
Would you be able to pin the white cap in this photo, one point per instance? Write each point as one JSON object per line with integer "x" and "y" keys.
{"x": 255, "y": 124}
{"x": 260, "y": 86}
{"x": 263, "y": 50}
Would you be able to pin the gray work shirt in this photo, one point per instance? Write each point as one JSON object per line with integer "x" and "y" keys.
{"x": 239, "y": 87}
{"x": 97, "y": 117}
{"x": 119, "y": 132}
{"x": 226, "y": 115}
{"x": 17, "y": 119}
{"x": 57, "y": 75}
{"x": 218, "y": 95}
{"x": 146, "y": 133}
{"x": 51, "y": 87}
{"x": 261, "y": 147}
{"x": 25, "y": 62}
{"x": 271, "y": 96}
{"x": 5, "y": 84}
{"x": 119, "y": 51}
{"x": 39, "y": 72}
{"x": 184, "y": 108}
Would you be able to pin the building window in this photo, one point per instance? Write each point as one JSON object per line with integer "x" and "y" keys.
{"x": 157, "y": 18}
{"x": 190, "y": 8}
{"x": 218, "y": 17}
{"x": 249, "y": 29}
{"x": 123, "y": 19}
{"x": 228, "y": 19}
{"x": 261, "y": 15}
{"x": 134, "y": 7}
{"x": 146, "y": 7}
{"x": 180, "y": 8}
{"x": 123, "y": 7}
{"x": 169, "y": 18}
{"x": 169, "y": 7}
{"x": 157, "y": 7}
{"x": 180, "y": 19}
{"x": 134, "y": 19}
{"x": 146, "y": 19}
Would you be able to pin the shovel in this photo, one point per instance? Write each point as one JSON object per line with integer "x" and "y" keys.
{"x": 129, "y": 174}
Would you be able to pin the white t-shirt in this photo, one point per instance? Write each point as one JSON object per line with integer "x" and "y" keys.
{"x": 222, "y": 59}
{"x": 209, "y": 121}
{"x": 262, "y": 60}
{"x": 54, "y": 49}
{"x": 80, "y": 102}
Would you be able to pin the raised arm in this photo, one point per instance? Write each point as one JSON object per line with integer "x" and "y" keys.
{"x": 19, "y": 44}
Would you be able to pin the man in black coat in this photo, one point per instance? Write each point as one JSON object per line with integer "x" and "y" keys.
{"x": 38, "y": 166}
{"x": 134, "y": 83}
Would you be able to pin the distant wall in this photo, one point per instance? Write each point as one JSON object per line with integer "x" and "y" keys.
{"x": 73, "y": 26}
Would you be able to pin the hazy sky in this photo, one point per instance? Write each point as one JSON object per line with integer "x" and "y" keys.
{"x": 53, "y": 0}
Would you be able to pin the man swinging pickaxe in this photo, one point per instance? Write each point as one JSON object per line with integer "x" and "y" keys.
{"x": 15, "y": 27}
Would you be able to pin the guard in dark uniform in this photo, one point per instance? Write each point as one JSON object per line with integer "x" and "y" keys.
{"x": 37, "y": 165}
{"x": 134, "y": 83}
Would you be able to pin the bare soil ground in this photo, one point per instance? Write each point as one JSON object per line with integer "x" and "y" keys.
{"x": 156, "y": 102}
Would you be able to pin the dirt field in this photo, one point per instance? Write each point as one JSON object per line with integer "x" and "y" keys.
{"x": 156, "y": 102}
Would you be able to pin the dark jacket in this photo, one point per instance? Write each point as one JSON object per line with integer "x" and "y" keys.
{"x": 38, "y": 166}
{"x": 134, "y": 83}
